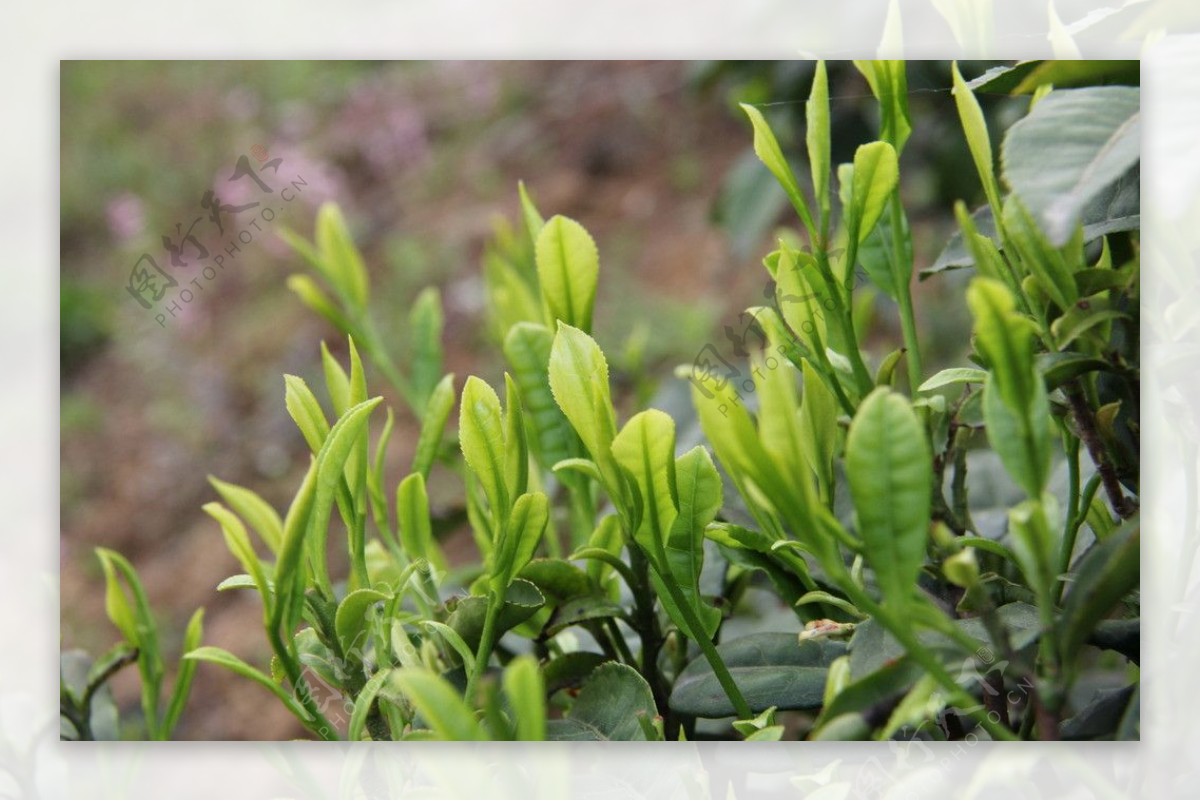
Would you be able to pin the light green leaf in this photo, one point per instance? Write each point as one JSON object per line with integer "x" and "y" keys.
{"x": 766, "y": 147}
{"x": 350, "y": 620}
{"x": 439, "y": 705}
{"x": 890, "y": 87}
{"x": 803, "y": 298}
{"x": 527, "y": 348}
{"x": 876, "y": 173}
{"x": 516, "y": 449}
{"x": 1056, "y": 176}
{"x": 261, "y": 516}
{"x": 890, "y": 469}
{"x": 527, "y": 697}
{"x": 529, "y": 214}
{"x": 1043, "y": 261}
{"x": 645, "y": 448}
{"x": 363, "y": 703}
{"x": 818, "y": 428}
{"x": 771, "y": 669}
{"x": 425, "y": 322}
{"x": 289, "y": 569}
{"x": 1104, "y": 575}
{"x": 331, "y": 464}
{"x": 700, "y": 498}
{"x": 336, "y": 381}
{"x": 481, "y": 436}
{"x": 312, "y": 297}
{"x": 192, "y": 636}
{"x": 219, "y": 656}
{"x": 520, "y": 538}
{"x": 455, "y": 641}
{"x": 412, "y": 512}
{"x": 304, "y": 408}
{"x": 343, "y": 264}
{"x": 817, "y": 138}
{"x": 433, "y": 425}
{"x": 568, "y": 267}
{"x": 980, "y": 144}
{"x": 953, "y": 375}
{"x": 579, "y": 382}
{"x": 238, "y": 542}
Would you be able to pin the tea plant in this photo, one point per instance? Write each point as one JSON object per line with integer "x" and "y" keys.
{"x": 932, "y": 604}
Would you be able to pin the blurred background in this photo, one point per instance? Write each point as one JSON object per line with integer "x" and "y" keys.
{"x": 653, "y": 158}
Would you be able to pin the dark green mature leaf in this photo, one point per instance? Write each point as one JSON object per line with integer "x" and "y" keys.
{"x": 1057, "y": 176}
{"x": 1104, "y": 575}
{"x": 521, "y": 601}
{"x": 773, "y": 669}
{"x": 607, "y": 707}
{"x": 583, "y": 610}
{"x": 481, "y": 436}
{"x": 558, "y": 579}
{"x": 889, "y": 468}
{"x": 1116, "y": 208}
{"x": 1101, "y": 717}
{"x": 570, "y": 669}
{"x": 873, "y": 647}
{"x": 568, "y": 267}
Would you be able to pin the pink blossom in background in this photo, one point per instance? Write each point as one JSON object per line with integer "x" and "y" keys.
{"x": 126, "y": 216}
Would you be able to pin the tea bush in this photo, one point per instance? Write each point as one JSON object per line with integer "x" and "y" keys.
{"x": 957, "y": 552}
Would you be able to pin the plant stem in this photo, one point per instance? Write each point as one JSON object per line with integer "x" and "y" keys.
{"x": 319, "y": 724}
{"x": 1085, "y": 421}
{"x": 638, "y": 579}
{"x": 845, "y": 317}
{"x": 901, "y": 630}
{"x": 902, "y": 276}
{"x": 710, "y": 651}
{"x": 486, "y": 644}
